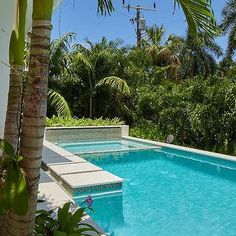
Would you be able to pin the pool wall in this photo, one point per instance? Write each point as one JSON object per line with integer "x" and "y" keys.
{"x": 56, "y": 134}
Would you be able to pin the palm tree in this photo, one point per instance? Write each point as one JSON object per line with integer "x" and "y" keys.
{"x": 197, "y": 57}
{"x": 34, "y": 113}
{"x": 16, "y": 61}
{"x": 162, "y": 52}
{"x": 229, "y": 26}
{"x": 87, "y": 66}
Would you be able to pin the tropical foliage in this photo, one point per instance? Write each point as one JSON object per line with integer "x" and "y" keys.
{"x": 68, "y": 222}
{"x": 174, "y": 86}
{"x": 70, "y": 122}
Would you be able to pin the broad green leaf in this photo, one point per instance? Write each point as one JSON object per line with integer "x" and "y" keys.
{"x": 75, "y": 219}
{"x": 59, "y": 233}
{"x": 89, "y": 228}
{"x": 63, "y": 215}
{"x": 20, "y": 203}
{"x": 18, "y": 158}
{"x": 14, "y": 194}
{"x": 7, "y": 148}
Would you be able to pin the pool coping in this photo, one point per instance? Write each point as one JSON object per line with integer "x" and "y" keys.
{"x": 182, "y": 148}
{"x": 87, "y": 127}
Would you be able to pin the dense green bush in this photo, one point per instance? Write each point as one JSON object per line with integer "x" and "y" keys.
{"x": 199, "y": 113}
{"x": 173, "y": 89}
{"x": 69, "y": 122}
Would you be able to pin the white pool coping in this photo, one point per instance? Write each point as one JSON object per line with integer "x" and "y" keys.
{"x": 181, "y": 148}
{"x": 73, "y": 168}
{"x": 88, "y": 127}
{"x": 88, "y": 179}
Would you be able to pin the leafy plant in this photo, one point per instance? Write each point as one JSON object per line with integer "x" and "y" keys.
{"x": 69, "y": 122}
{"x": 58, "y": 102}
{"x": 65, "y": 223}
{"x": 199, "y": 113}
{"x": 13, "y": 189}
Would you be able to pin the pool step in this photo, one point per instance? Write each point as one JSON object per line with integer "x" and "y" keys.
{"x": 91, "y": 182}
{"x": 71, "y": 168}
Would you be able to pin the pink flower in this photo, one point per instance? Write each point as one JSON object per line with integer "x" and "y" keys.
{"x": 89, "y": 201}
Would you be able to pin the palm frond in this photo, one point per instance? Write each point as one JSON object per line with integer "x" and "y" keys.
{"x": 58, "y": 102}
{"x": 199, "y": 16}
{"x": 155, "y": 34}
{"x": 229, "y": 15}
{"x": 115, "y": 83}
{"x": 231, "y": 42}
{"x": 105, "y": 7}
{"x": 59, "y": 54}
{"x": 81, "y": 57}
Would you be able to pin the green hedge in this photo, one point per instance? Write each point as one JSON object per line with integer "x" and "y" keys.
{"x": 69, "y": 122}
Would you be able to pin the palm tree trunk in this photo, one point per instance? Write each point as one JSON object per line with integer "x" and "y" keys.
{"x": 34, "y": 114}
{"x": 12, "y": 123}
{"x": 13, "y": 114}
{"x": 91, "y": 106}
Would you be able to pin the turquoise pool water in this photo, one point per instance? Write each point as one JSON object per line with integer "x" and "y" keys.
{"x": 167, "y": 193}
{"x": 102, "y": 146}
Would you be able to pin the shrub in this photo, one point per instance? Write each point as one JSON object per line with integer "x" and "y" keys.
{"x": 69, "y": 122}
{"x": 199, "y": 113}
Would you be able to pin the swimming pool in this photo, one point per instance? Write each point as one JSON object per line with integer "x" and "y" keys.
{"x": 103, "y": 146}
{"x": 167, "y": 192}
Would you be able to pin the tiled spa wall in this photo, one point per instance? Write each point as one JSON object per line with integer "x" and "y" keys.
{"x": 60, "y": 134}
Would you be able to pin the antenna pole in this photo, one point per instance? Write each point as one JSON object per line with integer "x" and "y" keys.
{"x": 138, "y": 31}
{"x": 138, "y": 9}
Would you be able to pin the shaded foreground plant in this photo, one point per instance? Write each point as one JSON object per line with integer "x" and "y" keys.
{"x": 13, "y": 189}
{"x": 66, "y": 223}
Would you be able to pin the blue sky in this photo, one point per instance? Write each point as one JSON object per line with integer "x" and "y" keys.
{"x": 82, "y": 19}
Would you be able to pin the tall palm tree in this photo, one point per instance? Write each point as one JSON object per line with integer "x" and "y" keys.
{"x": 34, "y": 113}
{"x": 94, "y": 76}
{"x": 16, "y": 61}
{"x": 229, "y": 26}
{"x": 197, "y": 57}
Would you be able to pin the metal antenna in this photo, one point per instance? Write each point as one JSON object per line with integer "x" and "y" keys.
{"x": 140, "y": 21}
